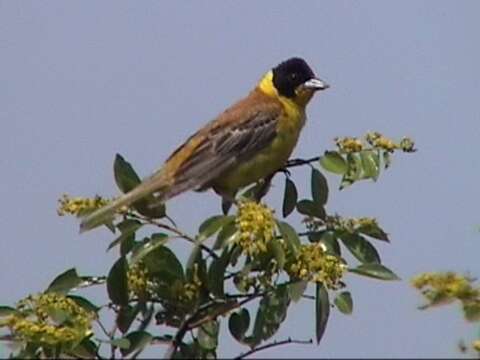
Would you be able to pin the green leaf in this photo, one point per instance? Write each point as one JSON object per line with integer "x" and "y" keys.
{"x": 138, "y": 340}
{"x": 149, "y": 207}
{"x": 216, "y": 273}
{"x": 297, "y": 289}
{"x": 208, "y": 335}
{"x": 290, "y": 197}
{"x": 334, "y": 162}
{"x": 125, "y": 177}
{"x": 121, "y": 343}
{"x": 147, "y": 246}
{"x": 344, "y": 302}
{"x": 354, "y": 172}
{"x": 319, "y": 188}
{"x": 58, "y": 316}
{"x": 84, "y": 303}
{"x": 290, "y": 236}
{"x": 376, "y": 271}
{"x": 125, "y": 317}
{"x": 7, "y": 310}
{"x": 471, "y": 311}
{"x": 272, "y": 311}
{"x": 162, "y": 264}
{"x": 194, "y": 258}
{"x": 87, "y": 349}
{"x": 361, "y": 248}
{"x": 117, "y": 283}
{"x": 310, "y": 208}
{"x": 127, "y": 228}
{"x": 225, "y": 235}
{"x": 238, "y": 324}
{"x": 127, "y": 244}
{"x": 330, "y": 241}
{"x": 374, "y": 231}
{"x": 64, "y": 282}
{"x": 213, "y": 224}
{"x": 322, "y": 310}
{"x": 276, "y": 249}
{"x": 369, "y": 165}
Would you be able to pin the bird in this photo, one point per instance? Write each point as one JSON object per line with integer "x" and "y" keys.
{"x": 249, "y": 141}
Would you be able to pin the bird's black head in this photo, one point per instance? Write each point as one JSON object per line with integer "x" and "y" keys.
{"x": 290, "y": 74}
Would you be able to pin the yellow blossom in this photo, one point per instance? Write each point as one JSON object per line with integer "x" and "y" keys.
{"x": 444, "y": 288}
{"x": 312, "y": 263}
{"x": 191, "y": 290}
{"x": 256, "y": 227}
{"x": 79, "y": 205}
{"x": 138, "y": 282}
{"x": 407, "y": 145}
{"x": 51, "y": 320}
{"x": 386, "y": 144}
{"x": 188, "y": 293}
{"x": 349, "y": 144}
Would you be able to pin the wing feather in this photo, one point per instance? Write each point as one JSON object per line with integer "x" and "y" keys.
{"x": 223, "y": 148}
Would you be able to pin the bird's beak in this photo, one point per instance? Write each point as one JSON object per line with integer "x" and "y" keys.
{"x": 316, "y": 84}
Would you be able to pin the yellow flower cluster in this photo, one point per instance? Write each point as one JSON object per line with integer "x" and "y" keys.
{"x": 444, "y": 288}
{"x": 375, "y": 140}
{"x": 379, "y": 141}
{"x": 79, "y": 205}
{"x": 259, "y": 279}
{"x": 256, "y": 227}
{"x": 51, "y": 320}
{"x": 191, "y": 290}
{"x": 350, "y": 225}
{"x": 138, "y": 282}
{"x": 313, "y": 264}
{"x": 244, "y": 282}
{"x": 188, "y": 293}
{"x": 349, "y": 144}
{"x": 407, "y": 145}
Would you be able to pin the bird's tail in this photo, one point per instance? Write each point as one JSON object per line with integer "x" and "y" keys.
{"x": 102, "y": 215}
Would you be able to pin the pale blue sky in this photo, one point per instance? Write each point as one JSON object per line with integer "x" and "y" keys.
{"x": 83, "y": 80}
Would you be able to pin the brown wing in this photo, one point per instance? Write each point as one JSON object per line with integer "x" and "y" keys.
{"x": 235, "y": 136}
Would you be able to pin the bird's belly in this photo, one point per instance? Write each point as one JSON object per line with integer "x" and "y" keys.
{"x": 266, "y": 162}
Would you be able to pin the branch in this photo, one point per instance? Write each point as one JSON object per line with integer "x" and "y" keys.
{"x": 273, "y": 344}
{"x": 176, "y": 231}
{"x": 300, "y": 162}
{"x": 193, "y": 321}
{"x": 7, "y": 338}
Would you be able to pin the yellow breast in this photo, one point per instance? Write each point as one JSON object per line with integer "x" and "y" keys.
{"x": 274, "y": 156}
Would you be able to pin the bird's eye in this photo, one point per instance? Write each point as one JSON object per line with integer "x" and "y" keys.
{"x": 293, "y": 76}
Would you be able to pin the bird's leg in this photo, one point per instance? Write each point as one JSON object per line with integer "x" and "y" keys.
{"x": 228, "y": 199}
{"x": 262, "y": 187}
{"x": 265, "y": 185}
{"x": 226, "y": 205}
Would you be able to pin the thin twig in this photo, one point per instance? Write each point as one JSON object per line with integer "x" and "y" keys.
{"x": 111, "y": 336}
{"x": 300, "y": 162}
{"x": 273, "y": 344}
{"x": 193, "y": 321}
{"x": 7, "y": 338}
{"x": 105, "y": 331}
{"x": 177, "y": 232}
{"x": 310, "y": 297}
